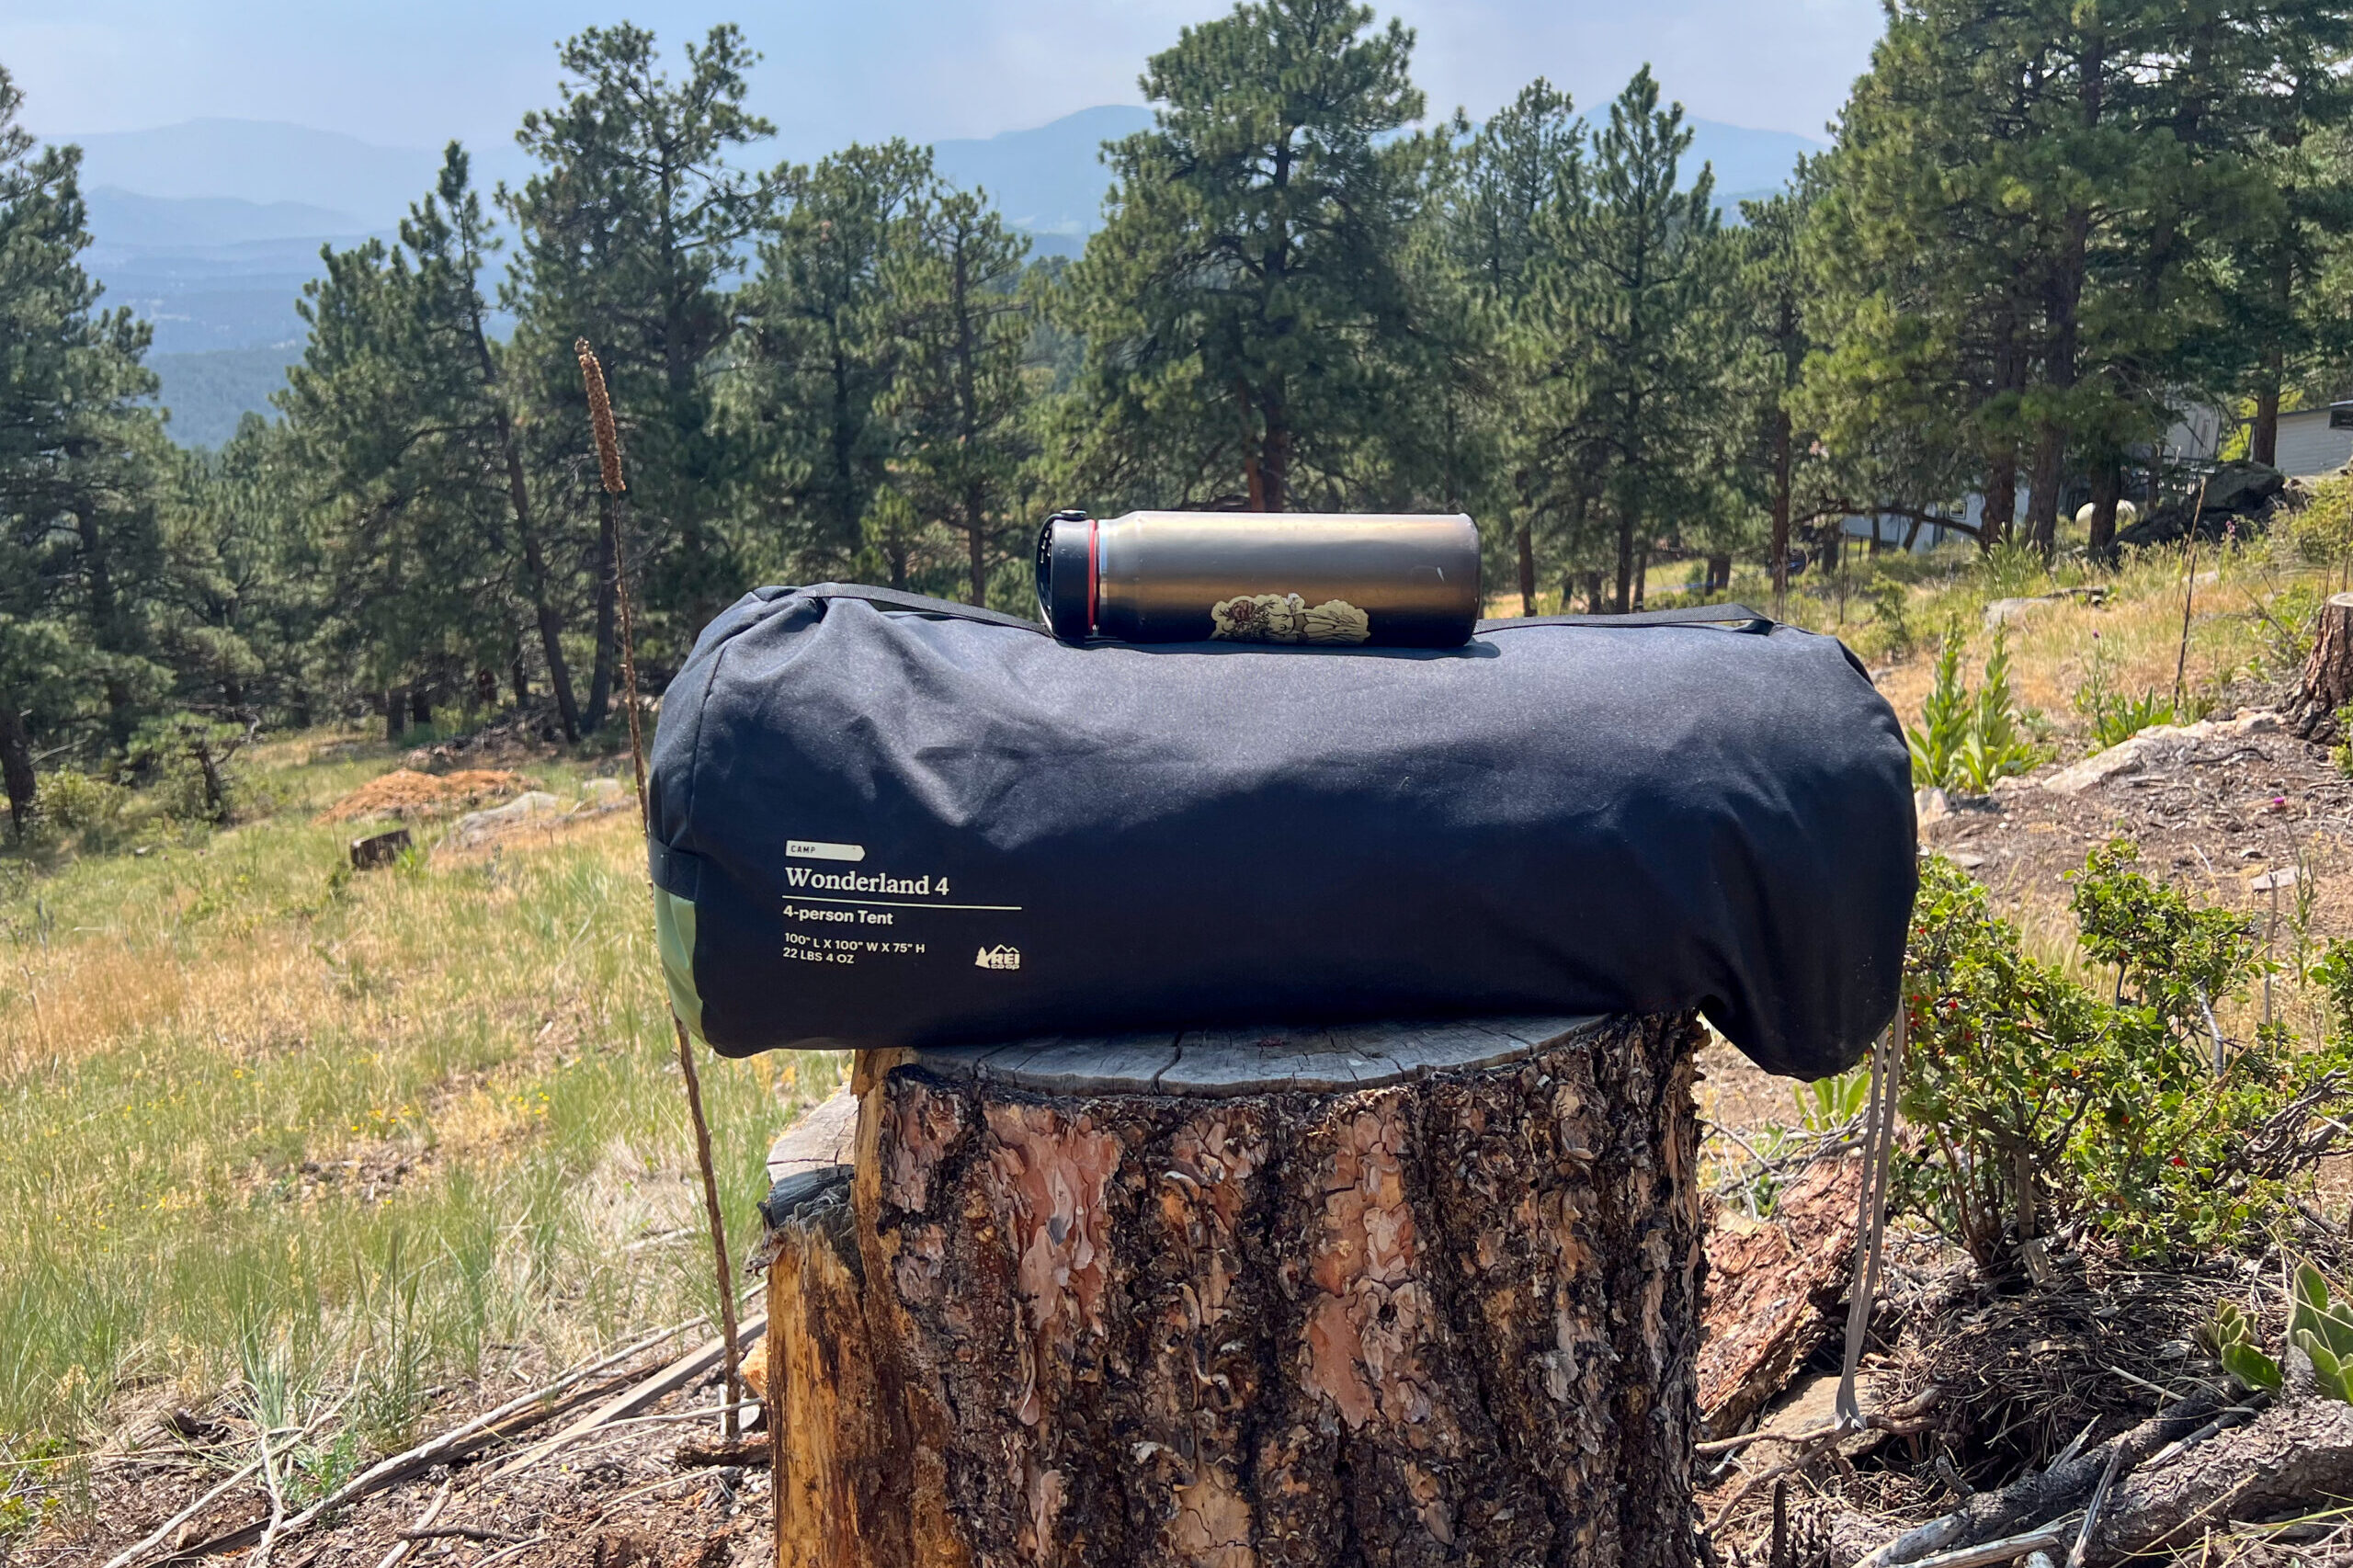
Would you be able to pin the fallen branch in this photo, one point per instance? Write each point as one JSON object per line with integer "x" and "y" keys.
{"x": 2008, "y": 1550}
{"x": 2291, "y": 1456}
{"x": 633, "y": 1399}
{"x": 2058, "y": 1490}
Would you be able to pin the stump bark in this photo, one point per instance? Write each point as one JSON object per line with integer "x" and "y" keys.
{"x": 1389, "y": 1296}
{"x": 2326, "y": 684}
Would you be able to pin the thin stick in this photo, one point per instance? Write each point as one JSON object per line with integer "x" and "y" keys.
{"x": 661, "y": 1485}
{"x": 2092, "y": 1509}
{"x": 2017, "y": 1546}
{"x": 2188, "y": 597}
{"x": 609, "y": 462}
{"x": 517, "y": 1549}
{"x": 163, "y": 1531}
{"x": 663, "y": 1383}
{"x": 260, "y": 1557}
{"x": 407, "y": 1541}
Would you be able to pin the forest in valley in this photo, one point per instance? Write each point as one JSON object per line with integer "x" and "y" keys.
{"x": 2045, "y": 233}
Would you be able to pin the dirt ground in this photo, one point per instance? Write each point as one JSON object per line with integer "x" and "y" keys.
{"x": 641, "y": 1492}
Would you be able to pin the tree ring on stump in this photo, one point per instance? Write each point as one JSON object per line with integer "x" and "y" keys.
{"x": 1221, "y": 1064}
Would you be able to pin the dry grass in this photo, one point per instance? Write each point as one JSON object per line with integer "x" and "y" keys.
{"x": 264, "y": 1118}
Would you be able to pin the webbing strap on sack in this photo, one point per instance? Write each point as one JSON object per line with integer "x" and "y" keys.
{"x": 1731, "y": 617}
{"x": 1870, "y": 1217}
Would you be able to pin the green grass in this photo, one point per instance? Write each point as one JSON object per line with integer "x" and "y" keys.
{"x": 269, "y": 1126}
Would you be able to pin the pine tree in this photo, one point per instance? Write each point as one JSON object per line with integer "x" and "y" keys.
{"x": 640, "y": 215}
{"x": 1521, "y": 175}
{"x": 1631, "y": 323}
{"x": 450, "y": 238}
{"x": 406, "y": 503}
{"x": 822, "y": 356}
{"x": 78, "y": 527}
{"x": 1246, "y": 300}
{"x": 952, "y": 281}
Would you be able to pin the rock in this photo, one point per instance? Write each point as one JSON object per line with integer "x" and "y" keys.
{"x": 2244, "y": 489}
{"x": 2161, "y": 745}
{"x": 2241, "y": 493}
{"x": 599, "y": 796}
{"x": 2013, "y": 784}
{"x": 480, "y": 827}
{"x": 2001, "y": 612}
{"x": 1929, "y": 807}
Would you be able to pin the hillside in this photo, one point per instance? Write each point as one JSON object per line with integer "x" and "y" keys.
{"x": 362, "y": 1156}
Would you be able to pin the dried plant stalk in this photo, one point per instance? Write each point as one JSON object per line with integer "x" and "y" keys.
{"x": 600, "y": 416}
{"x": 609, "y": 458}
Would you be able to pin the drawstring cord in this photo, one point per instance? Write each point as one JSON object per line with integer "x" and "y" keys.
{"x": 1870, "y": 1218}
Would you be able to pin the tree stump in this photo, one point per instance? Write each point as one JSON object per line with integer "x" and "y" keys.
{"x": 1393, "y": 1295}
{"x": 2326, "y": 684}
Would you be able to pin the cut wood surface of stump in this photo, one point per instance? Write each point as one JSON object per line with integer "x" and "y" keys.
{"x": 1386, "y": 1295}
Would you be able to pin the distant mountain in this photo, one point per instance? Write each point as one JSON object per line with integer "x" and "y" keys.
{"x": 1052, "y": 182}
{"x": 127, "y": 220}
{"x": 1049, "y": 180}
{"x": 1748, "y": 163}
{"x": 263, "y": 161}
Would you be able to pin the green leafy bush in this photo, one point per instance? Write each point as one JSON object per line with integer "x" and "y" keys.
{"x": 82, "y": 803}
{"x": 2043, "y": 1105}
{"x": 1967, "y": 740}
{"x": 2322, "y": 531}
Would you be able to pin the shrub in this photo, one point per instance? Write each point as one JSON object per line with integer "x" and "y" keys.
{"x": 2322, "y": 531}
{"x": 97, "y": 809}
{"x": 2042, "y": 1105}
{"x": 185, "y": 762}
{"x": 1967, "y": 740}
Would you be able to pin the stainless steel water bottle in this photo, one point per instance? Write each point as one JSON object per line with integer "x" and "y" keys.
{"x": 1331, "y": 579}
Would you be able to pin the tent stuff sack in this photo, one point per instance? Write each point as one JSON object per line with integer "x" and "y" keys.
{"x": 883, "y": 820}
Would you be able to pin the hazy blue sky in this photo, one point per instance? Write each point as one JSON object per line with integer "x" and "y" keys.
{"x": 416, "y": 71}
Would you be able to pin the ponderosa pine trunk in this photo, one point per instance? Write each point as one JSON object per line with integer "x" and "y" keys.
{"x": 2107, "y": 492}
{"x": 16, "y": 776}
{"x": 1250, "y": 1299}
{"x": 1526, "y": 543}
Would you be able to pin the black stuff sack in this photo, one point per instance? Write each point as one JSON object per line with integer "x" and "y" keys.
{"x": 884, "y": 820}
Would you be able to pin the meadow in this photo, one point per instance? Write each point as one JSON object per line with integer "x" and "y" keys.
{"x": 328, "y": 1136}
